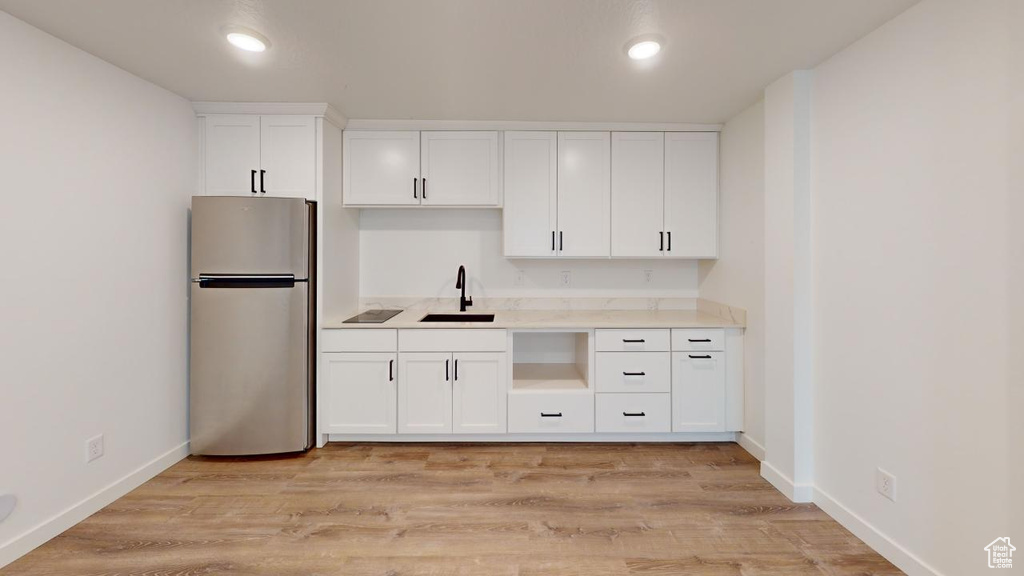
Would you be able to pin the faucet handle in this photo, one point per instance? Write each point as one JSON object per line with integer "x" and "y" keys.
{"x": 469, "y": 301}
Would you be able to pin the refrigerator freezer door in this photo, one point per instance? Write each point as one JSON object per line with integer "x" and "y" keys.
{"x": 232, "y": 235}
{"x": 249, "y": 389}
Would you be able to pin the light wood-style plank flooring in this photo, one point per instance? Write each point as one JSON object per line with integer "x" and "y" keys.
{"x": 467, "y": 509}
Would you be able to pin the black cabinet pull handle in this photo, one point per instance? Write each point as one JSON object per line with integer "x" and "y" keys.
{"x": 445, "y": 370}
{"x": 555, "y": 415}
{"x": 552, "y": 240}
{"x": 669, "y": 241}
{"x": 423, "y": 188}
{"x": 560, "y": 245}
{"x": 456, "y": 368}
{"x": 634, "y": 414}
{"x": 634, "y": 374}
{"x": 700, "y": 357}
{"x": 262, "y": 190}
{"x": 699, "y": 339}
{"x": 661, "y": 241}
{"x": 391, "y": 370}
{"x": 636, "y": 341}
{"x": 414, "y": 180}
{"x": 252, "y": 180}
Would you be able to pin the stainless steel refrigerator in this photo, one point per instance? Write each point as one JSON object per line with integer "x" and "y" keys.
{"x": 253, "y": 307}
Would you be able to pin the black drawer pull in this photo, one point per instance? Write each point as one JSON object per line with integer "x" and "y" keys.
{"x": 414, "y": 180}
{"x": 700, "y": 357}
{"x": 552, "y": 240}
{"x": 633, "y": 414}
{"x": 636, "y": 341}
{"x": 634, "y": 374}
{"x": 446, "y": 370}
{"x": 661, "y": 247}
{"x": 391, "y": 370}
{"x": 555, "y": 415}
{"x": 699, "y": 339}
{"x": 423, "y": 188}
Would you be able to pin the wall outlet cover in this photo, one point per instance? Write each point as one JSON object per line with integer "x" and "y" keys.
{"x": 7, "y": 502}
{"x": 93, "y": 448}
{"x": 885, "y": 483}
{"x": 565, "y": 279}
{"x": 648, "y": 276}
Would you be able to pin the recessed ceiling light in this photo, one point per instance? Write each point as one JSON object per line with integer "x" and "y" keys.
{"x": 643, "y": 47}
{"x": 246, "y": 39}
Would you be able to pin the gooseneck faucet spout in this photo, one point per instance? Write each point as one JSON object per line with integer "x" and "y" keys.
{"x": 460, "y": 283}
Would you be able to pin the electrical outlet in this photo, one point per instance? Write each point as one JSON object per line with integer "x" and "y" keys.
{"x": 648, "y": 276}
{"x": 566, "y": 279}
{"x": 885, "y": 483}
{"x": 93, "y": 448}
{"x": 520, "y": 278}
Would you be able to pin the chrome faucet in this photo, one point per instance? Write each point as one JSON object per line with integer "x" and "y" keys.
{"x": 460, "y": 282}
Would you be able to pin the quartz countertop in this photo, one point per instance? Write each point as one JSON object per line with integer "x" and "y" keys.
{"x": 527, "y": 319}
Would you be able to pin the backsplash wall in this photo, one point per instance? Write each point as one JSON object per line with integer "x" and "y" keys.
{"x": 417, "y": 252}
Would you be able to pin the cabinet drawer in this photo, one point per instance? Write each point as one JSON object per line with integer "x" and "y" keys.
{"x": 632, "y": 341}
{"x": 634, "y": 371}
{"x": 684, "y": 340}
{"x": 446, "y": 340}
{"x": 364, "y": 340}
{"x": 550, "y": 413}
{"x": 634, "y": 413}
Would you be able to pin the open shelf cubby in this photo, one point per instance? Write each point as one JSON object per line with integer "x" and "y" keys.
{"x": 550, "y": 361}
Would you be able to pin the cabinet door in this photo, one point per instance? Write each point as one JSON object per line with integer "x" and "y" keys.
{"x": 691, "y": 194}
{"x": 479, "y": 393}
{"x": 232, "y": 155}
{"x": 530, "y": 206}
{"x": 584, "y": 184}
{"x": 381, "y": 168}
{"x": 459, "y": 168}
{"x": 360, "y": 389}
{"x": 638, "y": 194}
{"x": 288, "y": 156}
{"x": 698, "y": 392}
{"x": 424, "y": 393}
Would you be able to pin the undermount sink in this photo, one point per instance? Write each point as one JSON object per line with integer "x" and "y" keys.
{"x": 458, "y": 318}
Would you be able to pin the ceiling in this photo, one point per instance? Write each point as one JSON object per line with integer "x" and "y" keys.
{"x": 554, "y": 60}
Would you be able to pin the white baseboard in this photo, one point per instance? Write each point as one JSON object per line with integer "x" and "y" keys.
{"x": 784, "y": 484}
{"x": 25, "y": 543}
{"x": 751, "y": 446}
{"x": 498, "y": 438}
{"x": 873, "y": 537}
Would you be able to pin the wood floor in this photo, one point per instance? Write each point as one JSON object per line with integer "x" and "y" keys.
{"x": 478, "y": 509}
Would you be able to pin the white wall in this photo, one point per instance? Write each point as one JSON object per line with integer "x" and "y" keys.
{"x": 98, "y": 167}
{"x": 737, "y": 277}
{"x": 910, "y": 227}
{"x": 418, "y": 253}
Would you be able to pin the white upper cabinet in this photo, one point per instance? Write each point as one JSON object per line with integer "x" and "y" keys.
{"x": 691, "y": 194}
{"x": 248, "y": 155}
{"x": 584, "y": 187}
{"x": 411, "y": 168}
{"x": 638, "y": 194}
{"x": 381, "y": 168}
{"x": 531, "y": 193}
{"x": 288, "y": 156}
{"x": 232, "y": 155}
{"x": 459, "y": 168}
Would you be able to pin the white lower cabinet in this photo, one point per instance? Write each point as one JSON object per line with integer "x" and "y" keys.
{"x": 634, "y": 413}
{"x": 698, "y": 391}
{"x": 547, "y": 412}
{"x": 634, "y": 372}
{"x": 360, "y": 390}
{"x": 425, "y": 393}
{"x": 479, "y": 392}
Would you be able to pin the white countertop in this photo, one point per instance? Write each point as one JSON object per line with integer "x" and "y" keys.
{"x": 528, "y": 319}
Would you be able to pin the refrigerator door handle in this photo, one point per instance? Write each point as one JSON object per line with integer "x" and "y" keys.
{"x": 246, "y": 280}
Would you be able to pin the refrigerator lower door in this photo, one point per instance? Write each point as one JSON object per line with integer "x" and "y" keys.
{"x": 250, "y": 389}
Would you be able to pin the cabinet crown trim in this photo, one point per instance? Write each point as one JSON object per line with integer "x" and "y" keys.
{"x": 272, "y": 108}
{"x": 525, "y": 125}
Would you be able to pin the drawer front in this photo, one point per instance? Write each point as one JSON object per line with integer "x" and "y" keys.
{"x": 453, "y": 340}
{"x": 634, "y": 413}
{"x": 632, "y": 341}
{"x": 634, "y": 371}
{"x": 362, "y": 340}
{"x": 550, "y": 413}
{"x": 685, "y": 340}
